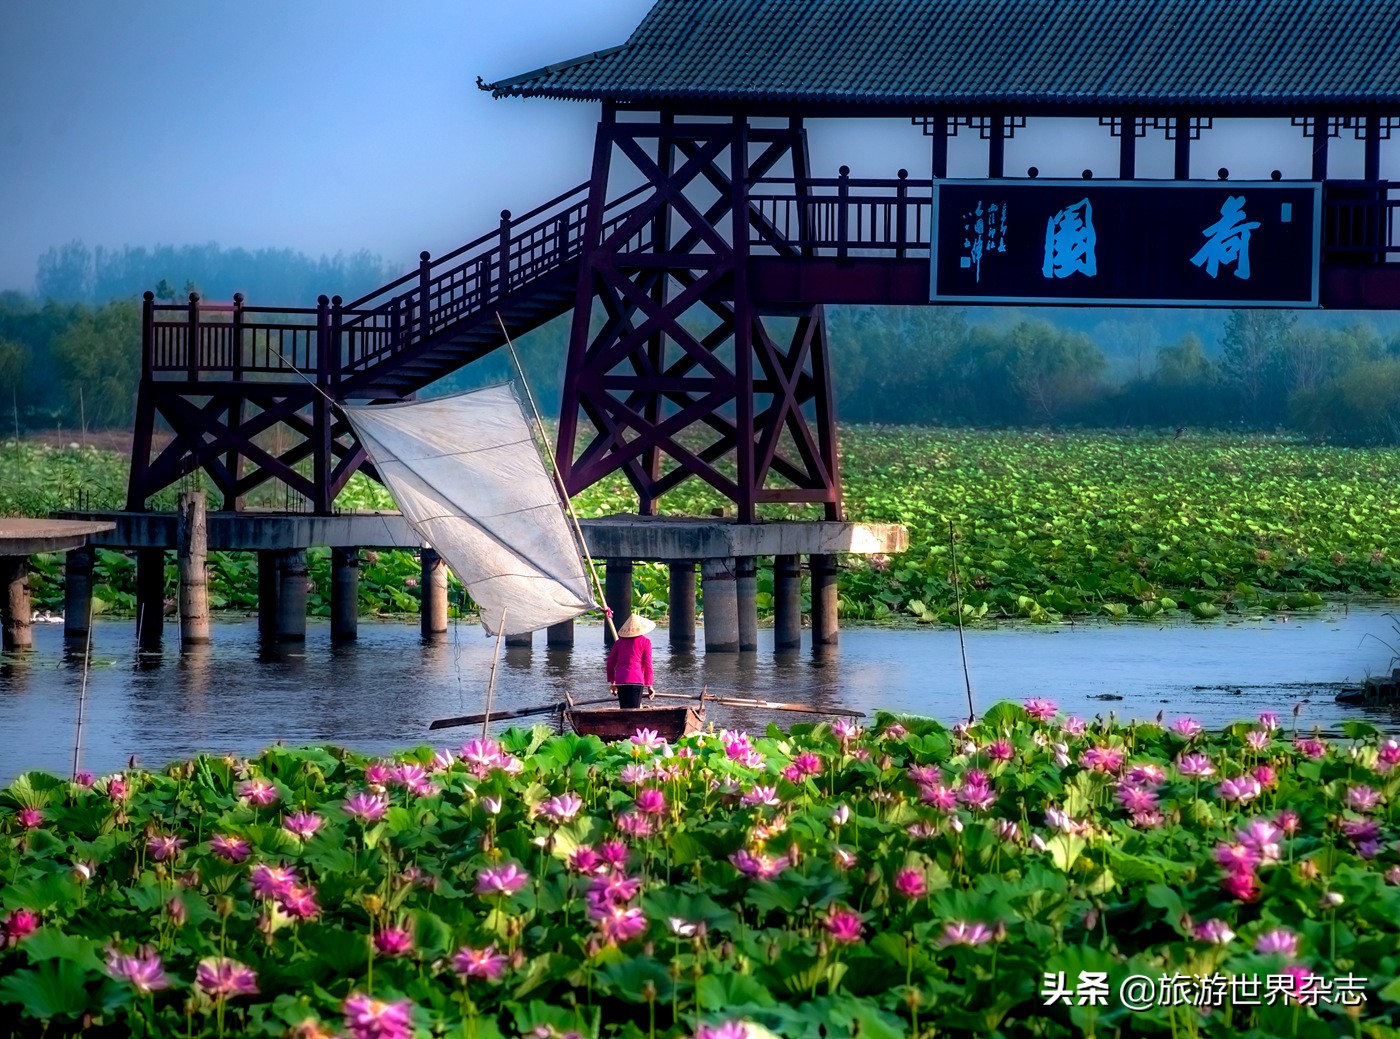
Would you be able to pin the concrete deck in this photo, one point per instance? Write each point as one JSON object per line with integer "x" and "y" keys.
{"x": 659, "y": 539}
{"x": 21, "y": 536}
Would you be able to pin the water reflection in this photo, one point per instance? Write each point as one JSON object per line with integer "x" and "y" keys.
{"x": 381, "y": 692}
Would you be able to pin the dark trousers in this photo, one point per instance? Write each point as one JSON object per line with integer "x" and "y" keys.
{"x": 629, "y": 695}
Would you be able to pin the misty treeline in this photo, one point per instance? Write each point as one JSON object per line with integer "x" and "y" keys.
{"x": 1268, "y": 370}
{"x": 66, "y": 362}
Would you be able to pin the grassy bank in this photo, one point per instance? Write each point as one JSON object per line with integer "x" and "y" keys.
{"x": 1042, "y": 524}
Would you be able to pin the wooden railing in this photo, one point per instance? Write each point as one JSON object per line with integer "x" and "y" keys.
{"x": 837, "y": 217}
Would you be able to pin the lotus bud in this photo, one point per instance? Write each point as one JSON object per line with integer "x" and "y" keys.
{"x": 83, "y": 871}
{"x": 1307, "y": 869}
{"x": 373, "y": 904}
{"x": 649, "y": 986}
{"x": 225, "y": 906}
{"x": 1091, "y": 918}
{"x": 913, "y": 998}
{"x": 1332, "y": 899}
{"x": 517, "y": 959}
{"x": 725, "y": 950}
{"x": 175, "y": 909}
{"x": 1038, "y": 842}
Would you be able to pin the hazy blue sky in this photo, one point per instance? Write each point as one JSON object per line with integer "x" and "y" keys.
{"x": 341, "y": 126}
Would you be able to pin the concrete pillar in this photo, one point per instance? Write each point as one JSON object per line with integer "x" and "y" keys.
{"x": 268, "y": 588}
{"x": 746, "y": 600}
{"x": 523, "y": 641}
{"x": 721, "y": 606}
{"x": 345, "y": 594}
{"x": 15, "y": 610}
{"x": 432, "y": 613}
{"x": 560, "y": 636}
{"x": 192, "y": 549}
{"x": 291, "y": 595}
{"x": 682, "y": 607}
{"x": 824, "y": 622}
{"x": 77, "y": 593}
{"x": 150, "y": 597}
{"x": 787, "y": 602}
{"x": 617, "y": 590}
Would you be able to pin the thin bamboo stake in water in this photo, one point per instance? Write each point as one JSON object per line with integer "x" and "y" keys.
{"x": 82, "y": 698}
{"x": 554, "y": 467}
{"x": 491, "y": 682}
{"x": 962, "y": 645}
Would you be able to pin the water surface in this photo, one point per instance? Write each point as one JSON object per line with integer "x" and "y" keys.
{"x": 380, "y": 693}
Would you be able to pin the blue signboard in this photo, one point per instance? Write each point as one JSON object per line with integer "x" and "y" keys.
{"x": 1115, "y": 243}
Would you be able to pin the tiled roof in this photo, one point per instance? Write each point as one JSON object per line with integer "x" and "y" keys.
{"x": 1271, "y": 53}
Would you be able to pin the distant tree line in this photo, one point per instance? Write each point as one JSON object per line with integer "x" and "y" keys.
{"x": 71, "y": 356}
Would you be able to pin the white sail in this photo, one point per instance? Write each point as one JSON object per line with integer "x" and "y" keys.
{"x": 468, "y": 477}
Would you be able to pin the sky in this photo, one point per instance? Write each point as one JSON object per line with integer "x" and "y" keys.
{"x": 335, "y": 127}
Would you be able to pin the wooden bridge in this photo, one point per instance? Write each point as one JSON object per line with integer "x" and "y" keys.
{"x": 699, "y": 342}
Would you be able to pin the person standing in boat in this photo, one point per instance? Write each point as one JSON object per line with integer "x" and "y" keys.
{"x": 629, "y": 662}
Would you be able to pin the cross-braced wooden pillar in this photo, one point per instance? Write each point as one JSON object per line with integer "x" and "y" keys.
{"x": 684, "y": 374}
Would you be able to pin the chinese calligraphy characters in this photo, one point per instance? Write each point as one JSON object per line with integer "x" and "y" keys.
{"x": 1070, "y": 242}
{"x": 1227, "y": 240}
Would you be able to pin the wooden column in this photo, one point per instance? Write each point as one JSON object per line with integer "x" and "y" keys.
{"x": 192, "y": 549}
{"x": 787, "y": 602}
{"x": 268, "y": 587}
{"x": 825, "y": 628}
{"x": 77, "y": 592}
{"x": 150, "y": 598}
{"x": 617, "y": 590}
{"x": 345, "y": 594}
{"x": 746, "y": 601}
{"x": 432, "y": 611}
{"x": 1181, "y": 165}
{"x": 1127, "y": 148}
{"x": 560, "y": 636}
{"x": 16, "y": 626}
{"x": 682, "y": 607}
{"x": 291, "y": 595}
{"x": 721, "y": 606}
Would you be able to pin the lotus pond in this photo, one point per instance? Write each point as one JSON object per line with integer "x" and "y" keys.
{"x": 1014, "y": 877}
{"x": 1045, "y": 524}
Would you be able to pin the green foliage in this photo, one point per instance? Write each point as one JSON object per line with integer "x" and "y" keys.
{"x": 954, "y": 910}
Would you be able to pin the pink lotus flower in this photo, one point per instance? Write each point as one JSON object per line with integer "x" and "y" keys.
{"x": 1361, "y": 799}
{"x": 635, "y": 824}
{"x": 1310, "y": 747}
{"x": 614, "y": 853}
{"x": 378, "y": 774}
{"x": 584, "y": 859}
{"x": 1236, "y": 857}
{"x": 393, "y": 942}
{"x": 30, "y": 818}
{"x": 164, "y": 847}
{"x": 505, "y": 879}
{"x": 844, "y": 859}
{"x": 651, "y": 801}
{"x": 562, "y": 808}
{"x": 962, "y": 933}
{"x": 1147, "y": 820}
{"x": 648, "y": 739}
{"x": 1387, "y": 757}
{"x": 808, "y": 764}
{"x": 844, "y": 925}
{"x": 725, "y": 1030}
{"x": 925, "y": 775}
{"x": 1263, "y": 838}
{"x": 117, "y": 787}
{"x": 1074, "y": 726}
{"x": 1041, "y": 710}
{"x": 1000, "y": 750}
{"x": 1214, "y": 932}
{"x": 1265, "y": 776}
{"x": 939, "y": 796}
{"x": 1269, "y": 721}
{"x": 303, "y": 824}
{"x": 634, "y": 774}
{"x": 258, "y": 792}
{"x": 845, "y": 729}
{"x": 1241, "y": 885}
{"x": 1101, "y": 759}
{"x": 1392, "y": 875}
{"x": 1360, "y": 830}
{"x": 299, "y": 902}
{"x": 1008, "y": 830}
{"x": 1257, "y": 739}
{"x": 272, "y": 881}
{"x": 1195, "y": 766}
{"x": 763, "y": 866}
{"x": 840, "y": 815}
{"x": 1240, "y": 791}
{"x": 365, "y": 806}
{"x": 1186, "y": 728}
{"x": 143, "y": 971}
{"x": 895, "y": 731}
{"x": 230, "y": 849}
{"x": 911, "y": 883}
{"x": 368, "y": 1018}
{"x": 1137, "y": 800}
{"x": 1278, "y": 942}
{"x": 619, "y": 924}
{"x": 761, "y": 795}
{"x": 978, "y": 796}
{"x": 84, "y": 778}
{"x": 20, "y": 924}
{"x": 1151, "y": 776}
{"x": 1289, "y": 821}
{"x": 443, "y": 760}
{"x": 479, "y": 963}
{"x": 222, "y": 978}
{"x": 612, "y": 889}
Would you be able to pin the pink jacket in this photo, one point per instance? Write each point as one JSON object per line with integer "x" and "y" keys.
{"x": 629, "y": 661}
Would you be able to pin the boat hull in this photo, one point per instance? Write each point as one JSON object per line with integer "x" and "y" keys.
{"x": 618, "y": 723}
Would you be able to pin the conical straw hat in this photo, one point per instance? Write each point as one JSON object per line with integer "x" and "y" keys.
{"x": 634, "y": 625}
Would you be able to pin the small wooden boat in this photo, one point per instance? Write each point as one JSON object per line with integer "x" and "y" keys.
{"x": 619, "y": 723}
